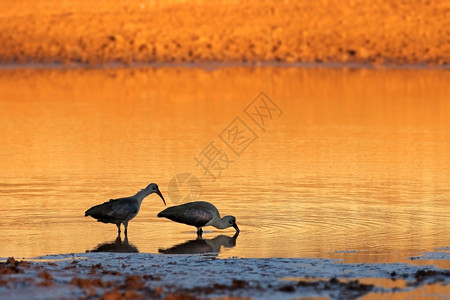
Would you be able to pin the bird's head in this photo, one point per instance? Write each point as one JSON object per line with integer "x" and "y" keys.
{"x": 230, "y": 221}
{"x": 153, "y": 188}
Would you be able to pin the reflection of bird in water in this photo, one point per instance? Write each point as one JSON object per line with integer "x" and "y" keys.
{"x": 198, "y": 214}
{"x": 122, "y": 210}
{"x": 202, "y": 245}
{"x": 116, "y": 246}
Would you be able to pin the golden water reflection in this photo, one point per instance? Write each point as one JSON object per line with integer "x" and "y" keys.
{"x": 202, "y": 246}
{"x": 359, "y": 159}
{"x": 116, "y": 246}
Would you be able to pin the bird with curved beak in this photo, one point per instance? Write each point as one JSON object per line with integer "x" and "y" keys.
{"x": 198, "y": 214}
{"x": 122, "y": 210}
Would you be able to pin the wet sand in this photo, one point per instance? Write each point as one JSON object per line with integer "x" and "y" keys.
{"x": 144, "y": 276}
{"x": 380, "y": 31}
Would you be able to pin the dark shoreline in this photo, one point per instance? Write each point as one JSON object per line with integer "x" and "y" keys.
{"x": 140, "y": 276}
{"x": 218, "y": 65}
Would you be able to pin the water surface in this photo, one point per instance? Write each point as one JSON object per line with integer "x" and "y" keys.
{"x": 354, "y": 164}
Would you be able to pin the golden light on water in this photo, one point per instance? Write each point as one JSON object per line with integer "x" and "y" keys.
{"x": 359, "y": 159}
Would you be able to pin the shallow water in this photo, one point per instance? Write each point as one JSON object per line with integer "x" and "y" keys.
{"x": 349, "y": 163}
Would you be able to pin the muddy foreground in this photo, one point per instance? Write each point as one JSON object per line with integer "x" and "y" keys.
{"x": 144, "y": 276}
{"x": 102, "y": 32}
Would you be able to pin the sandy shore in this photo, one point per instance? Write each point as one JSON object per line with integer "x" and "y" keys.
{"x": 143, "y": 276}
{"x": 379, "y": 31}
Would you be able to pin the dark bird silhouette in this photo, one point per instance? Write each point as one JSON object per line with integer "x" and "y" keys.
{"x": 122, "y": 210}
{"x": 116, "y": 246}
{"x": 198, "y": 214}
{"x": 200, "y": 245}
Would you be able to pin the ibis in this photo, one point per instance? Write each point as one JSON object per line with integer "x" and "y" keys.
{"x": 122, "y": 210}
{"x": 198, "y": 214}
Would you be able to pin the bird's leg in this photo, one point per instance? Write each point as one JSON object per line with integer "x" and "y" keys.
{"x": 126, "y": 227}
{"x": 118, "y": 229}
{"x": 199, "y": 232}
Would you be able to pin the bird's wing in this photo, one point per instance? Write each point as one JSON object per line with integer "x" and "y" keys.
{"x": 197, "y": 217}
{"x": 113, "y": 210}
{"x": 122, "y": 209}
{"x": 189, "y": 216}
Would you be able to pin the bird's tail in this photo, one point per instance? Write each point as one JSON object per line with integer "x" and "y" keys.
{"x": 164, "y": 213}
{"x": 91, "y": 211}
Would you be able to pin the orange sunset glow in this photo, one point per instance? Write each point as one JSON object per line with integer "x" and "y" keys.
{"x": 301, "y": 149}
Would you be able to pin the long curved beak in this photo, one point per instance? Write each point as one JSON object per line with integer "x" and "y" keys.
{"x": 159, "y": 194}
{"x": 236, "y": 227}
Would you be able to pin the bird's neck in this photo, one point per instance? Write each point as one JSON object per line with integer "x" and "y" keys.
{"x": 220, "y": 224}
{"x": 141, "y": 195}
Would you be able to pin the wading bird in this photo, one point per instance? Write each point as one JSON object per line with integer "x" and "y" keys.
{"x": 122, "y": 210}
{"x": 198, "y": 214}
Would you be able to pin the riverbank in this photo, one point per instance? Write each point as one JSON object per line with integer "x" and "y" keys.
{"x": 379, "y": 32}
{"x": 143, "y": 275}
